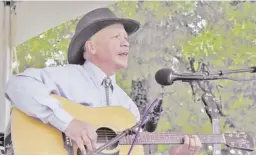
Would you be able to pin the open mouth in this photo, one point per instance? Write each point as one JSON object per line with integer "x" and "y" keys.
{"x": 123, "y": 54}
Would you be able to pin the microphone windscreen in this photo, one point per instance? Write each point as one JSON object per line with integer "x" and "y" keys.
{"x": 162, "y": 76}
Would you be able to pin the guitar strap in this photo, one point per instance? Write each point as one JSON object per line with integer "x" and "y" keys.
{"x": 68, "y": 145}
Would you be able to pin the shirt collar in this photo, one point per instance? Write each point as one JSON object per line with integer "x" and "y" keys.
{"x": 96, "y": 73}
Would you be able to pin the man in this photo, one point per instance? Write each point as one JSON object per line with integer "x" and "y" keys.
{"x": 98, "y": 49}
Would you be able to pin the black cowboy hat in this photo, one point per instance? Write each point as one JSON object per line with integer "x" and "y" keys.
{"x": 91, "y": 23}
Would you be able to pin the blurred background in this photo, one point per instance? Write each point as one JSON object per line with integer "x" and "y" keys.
{"x": 181, "y": 35}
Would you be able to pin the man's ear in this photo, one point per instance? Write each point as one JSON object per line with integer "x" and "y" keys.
{"x": 89, "y": 47}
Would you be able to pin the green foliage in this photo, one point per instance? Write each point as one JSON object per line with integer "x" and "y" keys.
{"x": 162, "y": 148}
{"x": 217, "y": 32}
{"x": 232, "y": 39}
{"x": 128, "y": 8}
{"x": 165, "y": 125}
{"x": 50, "y": 45}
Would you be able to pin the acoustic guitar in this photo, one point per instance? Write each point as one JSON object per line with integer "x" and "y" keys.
{"x": 31, "y": 136}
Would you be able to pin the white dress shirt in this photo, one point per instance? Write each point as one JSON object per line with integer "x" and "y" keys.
{"x": 29, "y": 92}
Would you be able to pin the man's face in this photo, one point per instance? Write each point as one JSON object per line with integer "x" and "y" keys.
{"x": 112, "y": 46}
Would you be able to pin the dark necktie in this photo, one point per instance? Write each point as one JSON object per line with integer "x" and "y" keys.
{"x": 107, "y": 83}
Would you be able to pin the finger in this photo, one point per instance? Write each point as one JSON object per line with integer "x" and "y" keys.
{"x": 87, "y": 141}
{"x": 198, "y": 143}
{"x": 93, "y": 137}
{"x": 192, "y": 143}
{"x": 80, "y": 144}
{"x": 186, "y": 143}
{"x": 175, "y": 150}
{"x": 186, "y": 140}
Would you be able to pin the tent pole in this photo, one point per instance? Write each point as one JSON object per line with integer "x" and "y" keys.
{"x": 5, "y": 59}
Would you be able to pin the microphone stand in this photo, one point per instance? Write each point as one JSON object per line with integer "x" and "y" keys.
{"x": 212, "y": 107}
{"x": 215, "y": 76}
{"x": 128, "y": 131}
{"x": 250, "y": 70}
{"x": 210, "y": 102}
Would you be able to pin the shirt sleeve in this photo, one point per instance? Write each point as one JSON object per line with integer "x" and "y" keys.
{"x": 30, "y": 92}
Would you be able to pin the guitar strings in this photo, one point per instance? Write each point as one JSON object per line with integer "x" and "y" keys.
{"x": 103, "y": 139}
{"x": 110, "y": 134}
{"x": 159, "y": 133}
{"x": 102, "y": 134}
{"x": 162, "y": 136}
{"x": 162, "y": 133}
{"x": 107, "y": 133}
{"x": 174, "y": 133}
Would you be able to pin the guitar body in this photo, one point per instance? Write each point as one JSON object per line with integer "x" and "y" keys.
{"x": 31, "y": 136}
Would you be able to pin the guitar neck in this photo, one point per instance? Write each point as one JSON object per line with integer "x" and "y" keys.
{"x": 169, "y": 138}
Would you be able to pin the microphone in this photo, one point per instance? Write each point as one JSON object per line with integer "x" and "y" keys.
{"x": 151, "y": 125}
{"x": 166, "y": 77}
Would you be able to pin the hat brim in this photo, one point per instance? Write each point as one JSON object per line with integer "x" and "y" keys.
{"x": 75, "y": 53}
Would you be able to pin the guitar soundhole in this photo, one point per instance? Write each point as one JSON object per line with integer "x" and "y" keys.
{"x": 104, "y": 136}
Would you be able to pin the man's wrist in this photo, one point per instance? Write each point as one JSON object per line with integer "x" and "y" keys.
{"x": 60, "y": 119}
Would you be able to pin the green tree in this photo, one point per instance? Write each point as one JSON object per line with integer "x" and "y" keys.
{"x": 222, "y": 34}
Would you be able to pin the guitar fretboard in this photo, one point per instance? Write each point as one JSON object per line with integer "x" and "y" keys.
{"x": 169, "y": 138}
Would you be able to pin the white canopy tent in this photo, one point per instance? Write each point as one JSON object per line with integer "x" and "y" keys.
{"x": 20, "y": 21}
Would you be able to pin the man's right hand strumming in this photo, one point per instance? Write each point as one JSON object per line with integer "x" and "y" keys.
{"x": 82, "y": 134}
